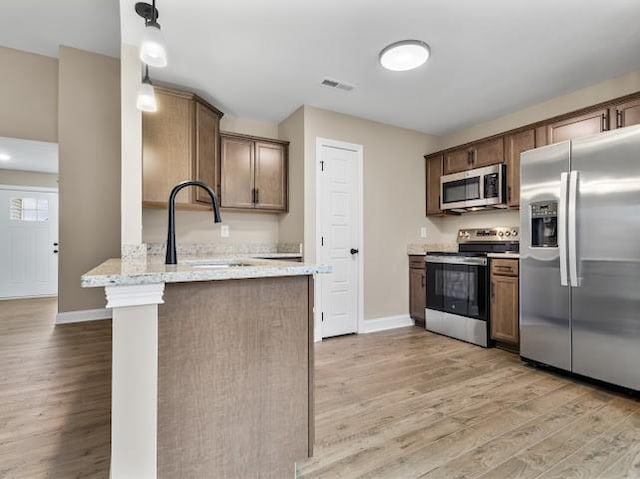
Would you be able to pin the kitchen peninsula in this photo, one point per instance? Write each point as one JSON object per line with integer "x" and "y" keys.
{"x": 212, "y": 366}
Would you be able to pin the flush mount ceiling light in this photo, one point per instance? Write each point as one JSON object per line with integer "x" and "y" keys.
{"x": 405, "y": 55}
{"x": 4, "y": 157}
{"x": 153, "y": 51}
{"x": 146, "y": 100}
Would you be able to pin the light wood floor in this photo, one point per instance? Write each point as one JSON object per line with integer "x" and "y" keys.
{"x": 409, "y": 404}
{"x": 400, "y": 404}
{"x": 55, "y": 394}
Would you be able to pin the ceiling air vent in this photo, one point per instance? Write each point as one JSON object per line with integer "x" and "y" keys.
{"x": 337, "y": 84}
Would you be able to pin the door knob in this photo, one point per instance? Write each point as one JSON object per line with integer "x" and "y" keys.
{"x": 354, "y": 251}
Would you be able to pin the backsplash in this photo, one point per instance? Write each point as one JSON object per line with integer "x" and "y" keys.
{"x": 448, "y": 227}
{"x": 203, "y": 249}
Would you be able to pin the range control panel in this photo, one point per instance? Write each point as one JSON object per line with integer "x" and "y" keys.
{"x": 498, "y": 234}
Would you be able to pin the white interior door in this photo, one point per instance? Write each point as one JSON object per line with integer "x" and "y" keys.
{"x": 339, "y": 243}
{"x": 28, "y": 243}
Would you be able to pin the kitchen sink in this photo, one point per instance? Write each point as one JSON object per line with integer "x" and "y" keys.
{"x": 215, "y": 264}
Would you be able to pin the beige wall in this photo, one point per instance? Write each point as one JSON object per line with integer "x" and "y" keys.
{"x": 607, "y": 90}
{"x": 291, "y": 228}
{"x": 29, "y": 96}
{"x": 393, "y": 209}
{"x": 198, "y": 226}
{"x": 28, "y": 178}
{"x": 89, "y": 146}
{"x": 247, "y": 126}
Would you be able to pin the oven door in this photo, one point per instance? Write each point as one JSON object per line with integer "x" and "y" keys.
{"x": 458, "y": 287}
{"x": 457, "y": 299}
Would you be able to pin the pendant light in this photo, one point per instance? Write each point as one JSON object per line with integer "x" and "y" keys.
{"x": 146, "y": 100}
{"x": 153, "y": 50}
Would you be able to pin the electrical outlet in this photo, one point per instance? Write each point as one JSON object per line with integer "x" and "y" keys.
{"x": 423, "y": 232}
{"x": 224, "y": 231}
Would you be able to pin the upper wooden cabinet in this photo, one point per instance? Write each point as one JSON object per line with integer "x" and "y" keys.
{"x": 625, "y": 114}
{"x": 271, "y": 176}
{"x": 254, "y": 173}
{"x": 207, "y": 148}
{"x": 514, "y": 145}
{"x": 456, "y": 161}
{"x": 578, "y": 126}
{"x": 179, "y": 143}
{"x": 433, "y": 173}
{"x": 484, "y": 153}
{"x": 487, "y": 153}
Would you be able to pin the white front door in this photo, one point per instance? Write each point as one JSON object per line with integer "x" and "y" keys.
{"x": 339, "y": 243}
{"x": 28, "y": 243}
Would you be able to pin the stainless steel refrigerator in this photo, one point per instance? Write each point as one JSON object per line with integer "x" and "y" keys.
{"x": 580, "y": 256}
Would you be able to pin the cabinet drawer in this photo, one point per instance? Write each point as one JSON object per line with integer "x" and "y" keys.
{"x": 504, "y": 267}
{"x": 416, "y": 261}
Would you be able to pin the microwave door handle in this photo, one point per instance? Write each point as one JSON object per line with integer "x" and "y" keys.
{"x": 562, "y": 227}
{"x": 571, "y": 228}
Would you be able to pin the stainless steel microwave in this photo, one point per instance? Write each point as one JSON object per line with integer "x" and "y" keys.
{"x": 473, "y": 189}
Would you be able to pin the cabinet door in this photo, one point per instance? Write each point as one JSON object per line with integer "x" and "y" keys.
{"x": 271, "y": 176}
{"x": 417, "y": 294}
{"x": 625, "y": 114}
{"x": 488, "y": 152}
{"x": 167, "y": 149}
{"x": 236, "y": 170}
{"x": 434, "y": 172}
{"x": 514, "y": 146}
{"x": 504, "y": 309}
{"x": 577, "y": 127}
{"x": 456, "y": 161}
{"x": 207, "y": 161}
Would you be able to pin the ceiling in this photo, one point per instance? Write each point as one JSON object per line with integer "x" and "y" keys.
{"x": 28, "y": 155}
{"x": 263, "y": 59}
{"x": 40, "y": 26}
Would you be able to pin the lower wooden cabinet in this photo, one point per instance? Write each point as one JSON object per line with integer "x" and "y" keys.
{"x": 417, "y": 289}
{"x": 505, "y": 302}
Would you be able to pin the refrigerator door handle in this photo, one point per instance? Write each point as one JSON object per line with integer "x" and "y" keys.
{"x": 562, "y": 227}
{"x": 573, "y": 264}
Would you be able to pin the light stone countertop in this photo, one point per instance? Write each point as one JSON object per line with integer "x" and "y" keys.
{"x": 504, "y": 255}
{"x": 417, "y": 249}
{"x": 115, "y": 272}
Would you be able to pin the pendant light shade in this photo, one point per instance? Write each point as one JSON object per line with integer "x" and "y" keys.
{"x": 153, "y": 51}
{"x": 146, "y": 100}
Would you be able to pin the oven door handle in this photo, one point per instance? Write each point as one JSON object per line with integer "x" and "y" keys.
{"x": 562, "y": 227}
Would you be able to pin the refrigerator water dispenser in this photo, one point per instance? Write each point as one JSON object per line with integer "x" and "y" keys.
{"x": 544, "y": 224}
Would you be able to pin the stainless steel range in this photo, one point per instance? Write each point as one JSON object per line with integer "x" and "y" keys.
{"x": 458, "y": 283}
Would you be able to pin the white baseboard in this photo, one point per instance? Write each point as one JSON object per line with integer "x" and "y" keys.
{"x": 388, "y": 322}
{"x": 83, "y": 315}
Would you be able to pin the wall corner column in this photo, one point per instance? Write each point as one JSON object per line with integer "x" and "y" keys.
{"x": 134, "y": 379}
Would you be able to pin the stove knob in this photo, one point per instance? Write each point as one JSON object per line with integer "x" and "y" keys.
{"x": 501, "y": 233}
{"x": 508, "y": 233}
{"x": 514, "y": 232}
